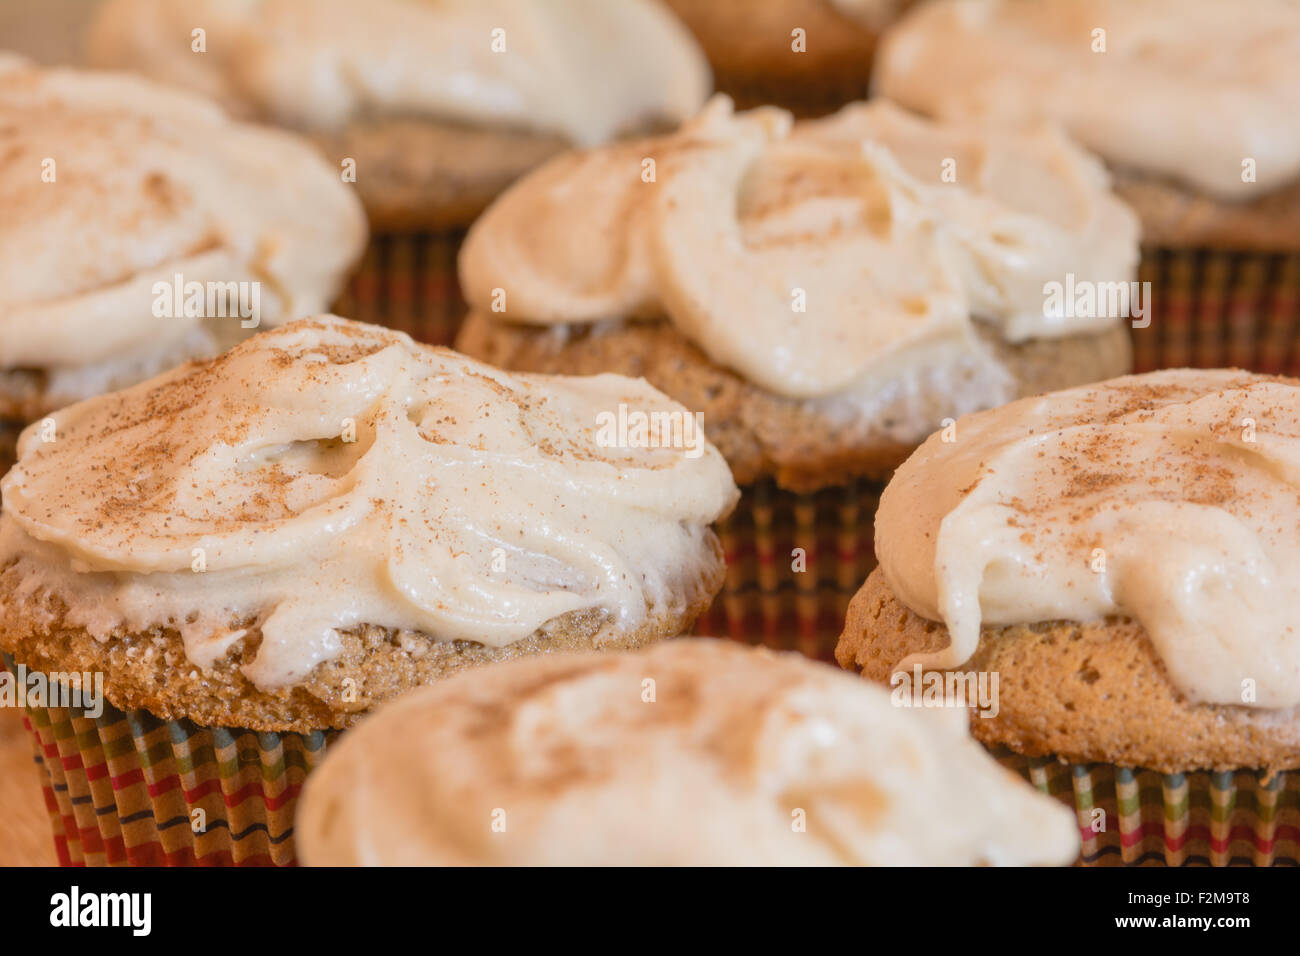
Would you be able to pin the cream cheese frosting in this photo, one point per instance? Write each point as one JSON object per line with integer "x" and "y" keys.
{"x": 815, "y": 259}
{"x": 694, "y": 752}
{"x": 1169, "y": 497}
{"x": 584, "y": 69}
{"x": 111, "y": 185}
{"x": 330, "y": 474}
{"x": 1186, "y": 89}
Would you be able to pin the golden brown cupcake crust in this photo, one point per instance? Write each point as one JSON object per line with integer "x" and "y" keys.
{"x": 1086, "y": 692}
{"x": 150, "y": 671}
{"x": 759, "y": 433}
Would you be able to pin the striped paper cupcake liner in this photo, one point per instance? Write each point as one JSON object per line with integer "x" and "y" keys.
{"x": 128, "y": 789}
{"x": 794, "y": 561}
{"x": 408, "y": 282}
{"x": 1134, "y": 817}
{"x": 1213, "y": 309}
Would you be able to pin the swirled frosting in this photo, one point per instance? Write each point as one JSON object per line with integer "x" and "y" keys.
{"x": 330, "y": 474}
{"x": 814, "y": 259}
{"x": 1169, "y": 497}
{"x": 111, "y": 184}
{"x": 583, "y": 69}
{"x": 1187, "y": 89}
{"x": 695, "y": 752}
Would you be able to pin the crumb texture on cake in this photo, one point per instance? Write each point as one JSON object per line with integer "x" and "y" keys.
{"x": 1086, "y": 692}
{"x": 150, "y": 670}
{"x": 804, "y": 445}
{"x": 1169, "y": 497}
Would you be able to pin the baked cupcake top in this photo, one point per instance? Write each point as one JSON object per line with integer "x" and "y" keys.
{"x": 115, "y": 190}
{"x": 695, "y": 752}
{"x": 1170, "y": 498}
{"x": 583, "y": 69}
{"x": 329, "y": 474}
{"x": 814, "y": 259}
{"x": 1184, "y": 89}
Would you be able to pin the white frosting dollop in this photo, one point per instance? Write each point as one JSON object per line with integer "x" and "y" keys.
{"x": 1188, "y": 89}
{"x": 584, "y": 69}
{"x": 815, "y": 259}
{"x": 111, "y": 185}
{"x": 732, "y": 749}
{"x": 1172, "y": 498}
{"x": 330, "y": 474}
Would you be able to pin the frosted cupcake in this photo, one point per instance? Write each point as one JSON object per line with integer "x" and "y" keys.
{"x": 438, "y": 105}
{"x": 825, "y": 293}
{"x": 143, "y": 227}
{"x": 1191, "y": 104}
{"x": 1122, "y": 555}
{"x": 329, "y": 515}
{"x": 692, "y": 753}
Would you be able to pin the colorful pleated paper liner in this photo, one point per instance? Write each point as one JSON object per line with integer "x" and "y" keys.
{"x": 130, "y": 789}
{"x": 1132, "y": 817}
{"x": 1214, "y": 309}
{"x": 793, "y": 564}
{"x": 407, "y": 281}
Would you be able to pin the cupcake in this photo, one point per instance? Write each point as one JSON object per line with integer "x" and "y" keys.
{"x": 825, "y": 293}
{"x": 1192, "y": 105}
{"x": 142, "y": 227}
{"x": 808, "y": 56}
{"x": 1119, "y": 561}
{"x": 258, "y": 549}
{"x": 695, "y": 752}
{"x": 430, "y": 108}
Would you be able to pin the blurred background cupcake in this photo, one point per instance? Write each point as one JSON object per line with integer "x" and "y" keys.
{"x": 1116, "y": 569}
{"x": 808, "y": 56}
{"x": 255, "y": 551}
{"x": 430, "y": 108}
{"x": 1192, "y": 103}
{"x": 824, "y": 294}
{"x": 142, "y": 227}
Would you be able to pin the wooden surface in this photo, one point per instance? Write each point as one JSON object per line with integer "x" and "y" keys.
{"x": 24, "y": 826}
